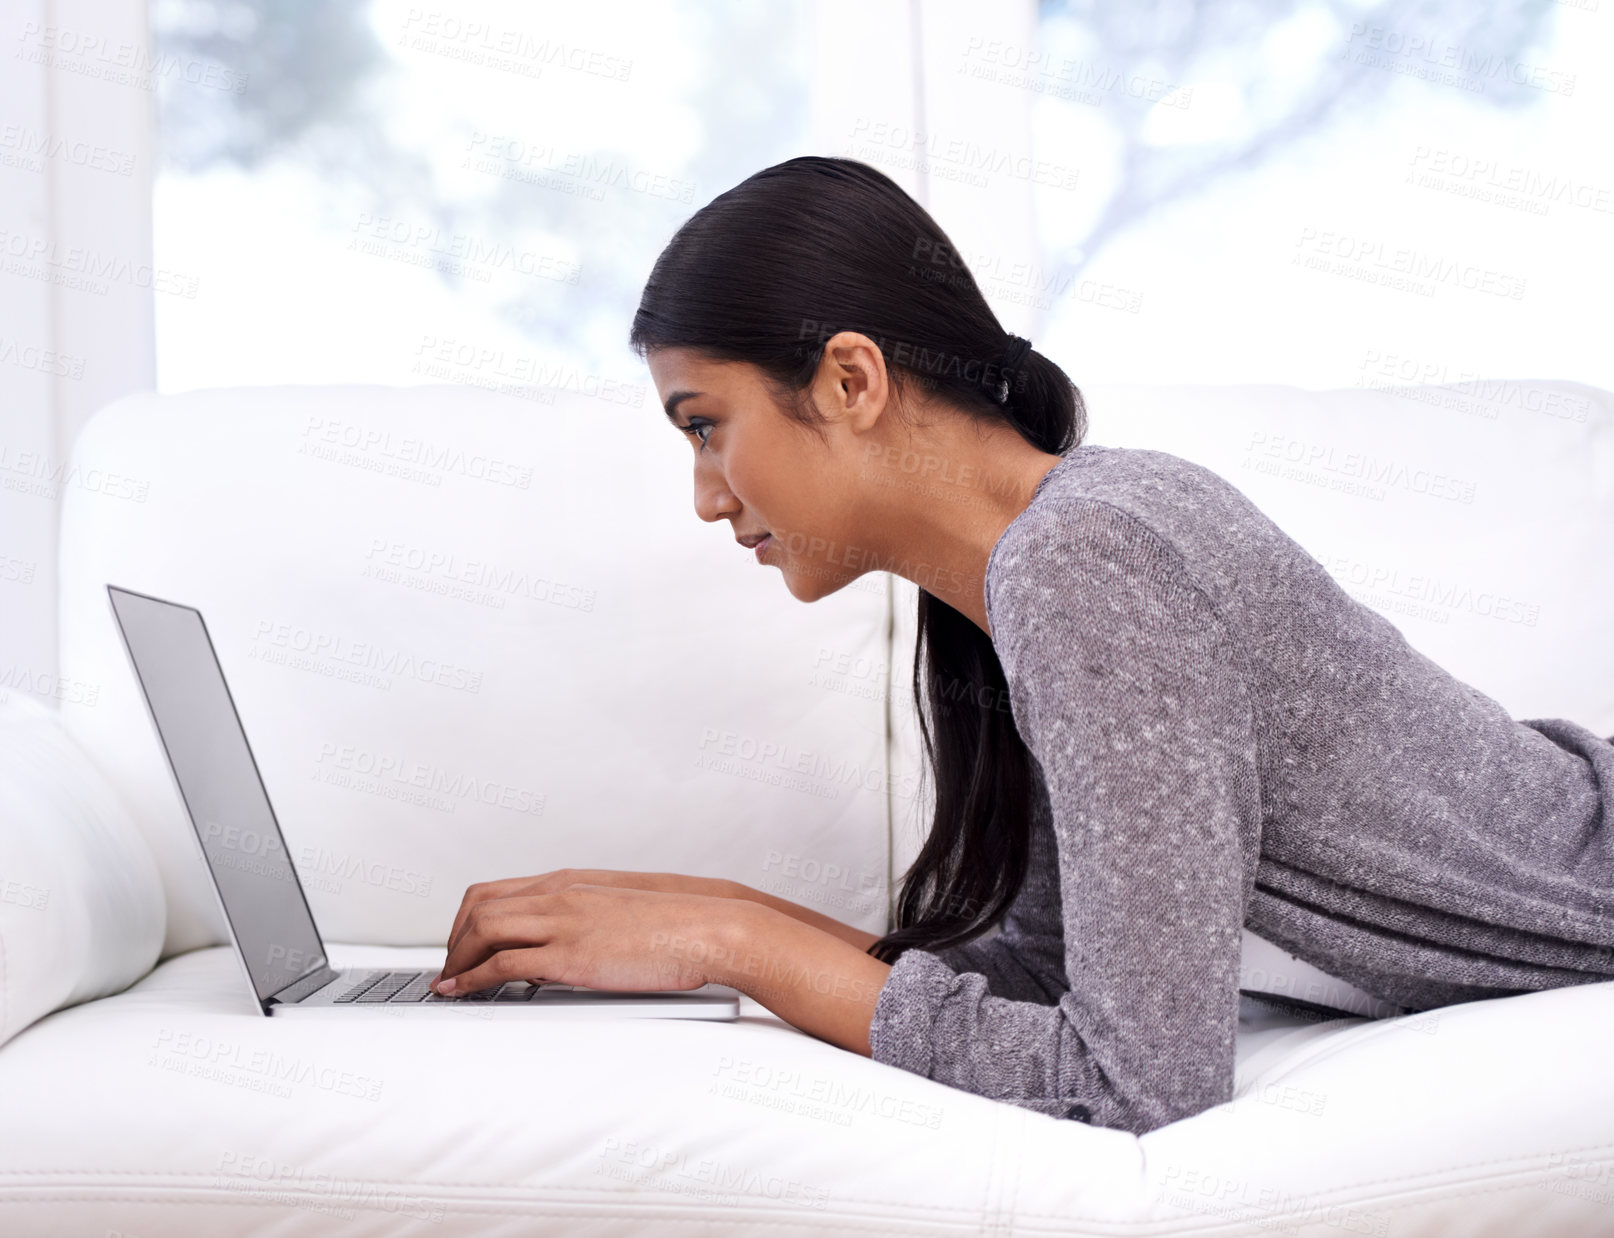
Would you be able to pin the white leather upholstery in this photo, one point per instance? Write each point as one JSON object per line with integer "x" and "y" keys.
{"x": 469, "y": 637}
{"x": 81, "y": 907}
{"x": 169, "y": 1109}
{"x": 172, "y": 1108}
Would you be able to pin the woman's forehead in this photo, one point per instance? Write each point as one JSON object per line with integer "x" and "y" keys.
{"x": 684, "y": 369}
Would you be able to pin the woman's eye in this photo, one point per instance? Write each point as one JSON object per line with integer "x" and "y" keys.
{"x": 693, "y": 429}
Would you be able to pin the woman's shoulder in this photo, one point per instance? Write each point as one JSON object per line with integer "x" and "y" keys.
{"x": 1165, "y": 492}
{"x": 1113, "y": 512}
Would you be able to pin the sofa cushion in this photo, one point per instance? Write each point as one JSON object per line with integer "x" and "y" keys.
{"x": 174, "y": 1108}
{"x": 81, "y": 906}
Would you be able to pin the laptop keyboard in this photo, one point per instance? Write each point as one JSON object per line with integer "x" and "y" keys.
{"x": 412, "y": 986}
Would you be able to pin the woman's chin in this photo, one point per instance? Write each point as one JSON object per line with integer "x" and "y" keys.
{"x": 811, "y": 586}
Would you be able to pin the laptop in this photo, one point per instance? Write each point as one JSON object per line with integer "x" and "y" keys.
{"x": 260, "y": 894}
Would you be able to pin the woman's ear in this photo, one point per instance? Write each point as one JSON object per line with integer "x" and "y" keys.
{"x": 853, "y": 380}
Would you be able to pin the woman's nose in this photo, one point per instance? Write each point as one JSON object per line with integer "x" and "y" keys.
{"x": 713, "y": 501}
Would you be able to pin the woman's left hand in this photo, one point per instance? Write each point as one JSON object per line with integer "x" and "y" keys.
{"x": 601, "y": 937}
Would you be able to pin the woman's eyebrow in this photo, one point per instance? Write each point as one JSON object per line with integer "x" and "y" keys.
{"x": 674, "y": 400}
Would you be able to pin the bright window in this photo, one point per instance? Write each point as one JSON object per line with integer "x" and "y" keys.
{"x": 397, "y": 193}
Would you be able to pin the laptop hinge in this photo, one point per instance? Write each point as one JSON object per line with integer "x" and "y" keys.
{"x": 298, "y": 989}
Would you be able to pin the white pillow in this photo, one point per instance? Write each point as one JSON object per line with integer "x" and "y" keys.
{"x": 81, "y": 902}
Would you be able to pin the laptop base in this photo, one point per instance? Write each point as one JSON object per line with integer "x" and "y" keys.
{"x": 370, "y": 989}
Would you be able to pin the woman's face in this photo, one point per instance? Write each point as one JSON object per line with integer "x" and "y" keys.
{"x": 766, "y": 473}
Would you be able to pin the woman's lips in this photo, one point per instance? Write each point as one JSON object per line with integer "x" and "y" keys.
{"x": 762, "y": 546}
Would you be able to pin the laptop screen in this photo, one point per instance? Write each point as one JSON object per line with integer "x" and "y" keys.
{"x": 201, "y": 733}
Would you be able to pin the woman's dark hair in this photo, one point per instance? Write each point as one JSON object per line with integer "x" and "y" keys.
{"x": 765, "y": 274}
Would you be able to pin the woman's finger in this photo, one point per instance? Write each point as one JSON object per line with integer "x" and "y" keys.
{"x": 499, "y": 924}
{"x": 507, "y": 887}
{"x": 481, "y": 891}
{"x": 475, "y": 893}
{"x": 519, "y": 964}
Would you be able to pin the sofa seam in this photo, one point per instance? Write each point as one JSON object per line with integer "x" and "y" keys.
{"x": 230, "y": 1196}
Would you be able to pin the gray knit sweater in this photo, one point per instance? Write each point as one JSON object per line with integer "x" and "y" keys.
{"x": 1223, "y": 737}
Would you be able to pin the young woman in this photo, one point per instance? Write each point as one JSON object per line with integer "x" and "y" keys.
{"x": 1154, "y": 719}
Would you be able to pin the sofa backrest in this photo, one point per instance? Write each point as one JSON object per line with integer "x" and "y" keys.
{"x": 470, "y": 636}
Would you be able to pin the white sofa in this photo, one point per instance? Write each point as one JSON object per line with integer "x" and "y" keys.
{"x": 476, "y": 634}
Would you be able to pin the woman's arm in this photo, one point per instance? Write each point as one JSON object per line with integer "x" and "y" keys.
{"x": 1025, "y": 961}
{"x": 805, "y": 915}
{"x": 1130, "y": 692}
{"x": 813, "y": 979}
{"x": 656, "y": 882}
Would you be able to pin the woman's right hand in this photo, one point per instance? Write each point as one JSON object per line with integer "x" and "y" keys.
{"x": 548, "y": 883}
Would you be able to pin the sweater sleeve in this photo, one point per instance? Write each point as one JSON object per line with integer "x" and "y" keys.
{"x": 1026, "y": 960}
{"x": 1127, "y": 689}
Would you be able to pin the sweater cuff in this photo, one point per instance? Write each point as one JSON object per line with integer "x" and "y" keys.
{"x": 900, "y": 1033}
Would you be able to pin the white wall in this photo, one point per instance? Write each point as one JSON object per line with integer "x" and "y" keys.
{"x": 77, "y": 133}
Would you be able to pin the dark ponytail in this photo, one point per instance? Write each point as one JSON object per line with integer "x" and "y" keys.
{"x": 765, "y": 274}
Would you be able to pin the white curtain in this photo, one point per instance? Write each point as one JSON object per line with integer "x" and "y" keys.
{"x": 76, "y": 284}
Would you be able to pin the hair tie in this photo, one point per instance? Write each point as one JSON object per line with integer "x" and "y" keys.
{"x": 1010, "y": 376}
{"x": 1016, "y": 352}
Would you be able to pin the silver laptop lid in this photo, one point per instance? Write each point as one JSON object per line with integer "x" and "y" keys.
{"x": 218, "y": 780}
